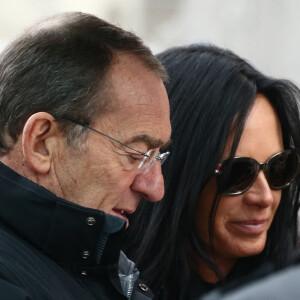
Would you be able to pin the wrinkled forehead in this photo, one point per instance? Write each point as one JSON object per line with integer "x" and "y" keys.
{"x": 141, "y": 105}
{"x": 142, "y": 122}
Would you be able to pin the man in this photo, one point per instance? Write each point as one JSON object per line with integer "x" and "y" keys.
{"x": 84, "y": 113}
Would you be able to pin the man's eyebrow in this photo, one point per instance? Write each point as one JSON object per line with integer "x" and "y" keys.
{"x": 151, "y": 142}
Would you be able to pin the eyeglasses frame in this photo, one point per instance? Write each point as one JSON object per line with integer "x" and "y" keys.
{"x": 159, "y": 156}
{"x": 261, "y": 167}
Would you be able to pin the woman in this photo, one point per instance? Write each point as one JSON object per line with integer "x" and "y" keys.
{"x": 222, "y": 216}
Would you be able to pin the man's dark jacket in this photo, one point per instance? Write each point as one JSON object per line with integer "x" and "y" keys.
{"x": 51, "y": 248}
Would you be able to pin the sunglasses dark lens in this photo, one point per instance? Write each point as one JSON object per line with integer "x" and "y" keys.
{"x": 282, "y": 169}
{"x": 236, "y": 175}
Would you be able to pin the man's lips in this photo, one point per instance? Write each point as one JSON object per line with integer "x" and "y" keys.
{"x": 251, "y": 227}
{"x": 119, "y": 212}
{"x": 122, "y": 213}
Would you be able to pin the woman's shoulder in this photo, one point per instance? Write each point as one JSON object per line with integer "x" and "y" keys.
{"x": 198, "y": 287}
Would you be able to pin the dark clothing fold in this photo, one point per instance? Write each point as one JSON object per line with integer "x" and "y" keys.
{"x": 243, "y": 269}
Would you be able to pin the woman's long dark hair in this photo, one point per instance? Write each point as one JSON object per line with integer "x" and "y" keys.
{"x": 209, "y": 88}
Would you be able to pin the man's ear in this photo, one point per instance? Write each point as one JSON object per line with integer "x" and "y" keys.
{"x": 38, "y": 140}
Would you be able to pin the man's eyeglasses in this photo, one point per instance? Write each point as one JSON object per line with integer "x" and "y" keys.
{"x": 146, "y": 162}
{"x": 236, "y": 175}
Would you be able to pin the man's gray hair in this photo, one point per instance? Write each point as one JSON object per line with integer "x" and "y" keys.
{"x": 59, "y": 66}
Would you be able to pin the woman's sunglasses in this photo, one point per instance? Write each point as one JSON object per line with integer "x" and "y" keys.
{"x": 236, "y": 175}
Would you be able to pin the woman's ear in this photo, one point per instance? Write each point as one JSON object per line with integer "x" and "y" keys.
{"x": 38, "y": 139}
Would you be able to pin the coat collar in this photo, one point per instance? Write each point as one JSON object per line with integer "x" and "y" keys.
{"x": 67, "y": 232}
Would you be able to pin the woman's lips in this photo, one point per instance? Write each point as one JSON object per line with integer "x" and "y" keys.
{"x": 251, "y": 227}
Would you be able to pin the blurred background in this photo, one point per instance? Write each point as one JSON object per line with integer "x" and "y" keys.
{"x": 265, "y": 32}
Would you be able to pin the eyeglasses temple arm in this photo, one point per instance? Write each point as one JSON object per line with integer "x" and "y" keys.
{"x": 109, "y": 137}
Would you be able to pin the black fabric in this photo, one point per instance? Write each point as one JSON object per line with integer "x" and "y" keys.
{"x": 244, "y": 269}
{"x": 199, "y": 287}
{"x": 42, "y": 244}
{"x": 11, "y": 292}
{"x": 265, "y": 283}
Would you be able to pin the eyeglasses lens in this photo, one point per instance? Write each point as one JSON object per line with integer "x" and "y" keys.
{"x": 163, "y": 157}
{"x": 282, "y": 169}
{"x": 147, "y": 161}
{"x": 237, "y": 175}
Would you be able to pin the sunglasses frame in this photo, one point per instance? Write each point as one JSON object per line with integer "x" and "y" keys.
{"x": 259, "y": 167}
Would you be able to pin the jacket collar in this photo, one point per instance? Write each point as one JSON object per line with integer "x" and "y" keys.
{"x": 67, "y": 232}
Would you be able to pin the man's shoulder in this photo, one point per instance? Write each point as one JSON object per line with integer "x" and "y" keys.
{"x": 14, "y": 266}
{"x": 26, "y": 271}
{"x": 13, "y": 250}
{"x": 10, "y": 291}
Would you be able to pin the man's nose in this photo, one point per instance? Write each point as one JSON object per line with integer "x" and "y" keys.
{"x": 151, "y": 184}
